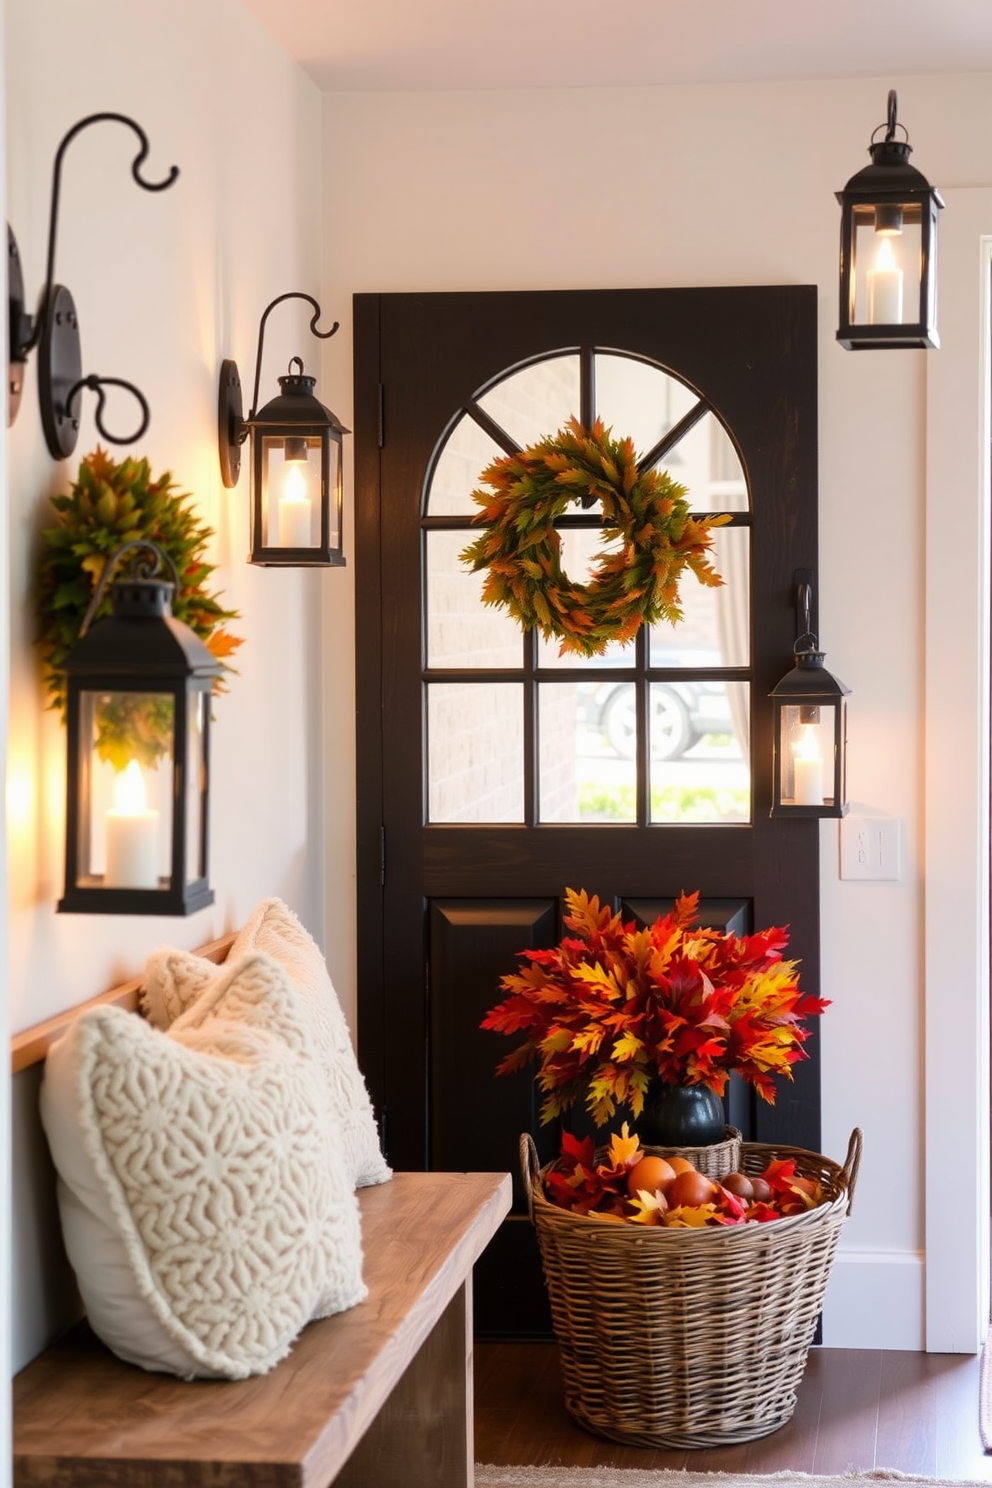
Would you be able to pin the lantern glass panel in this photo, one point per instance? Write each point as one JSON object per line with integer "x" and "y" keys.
{"x": 196, "y": 786}
{"x": 291, "y": 490}
{"x": 806, "y": 754}
{"x": 125, "y": 790}
{"x": 886, "y": 264}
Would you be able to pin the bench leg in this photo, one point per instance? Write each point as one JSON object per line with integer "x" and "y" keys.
{"x": 423, "y": 1434}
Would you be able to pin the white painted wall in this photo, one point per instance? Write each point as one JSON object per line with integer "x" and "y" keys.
{"x": 166, "y": 286}
{"x": 735, "y": 185}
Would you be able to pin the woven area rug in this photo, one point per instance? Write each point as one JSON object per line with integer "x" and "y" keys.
{"x": 985, "y": 1394}
{"x": 617, "y": 1477}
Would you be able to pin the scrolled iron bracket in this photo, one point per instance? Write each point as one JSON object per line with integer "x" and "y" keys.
{"x": 55, "y": 329}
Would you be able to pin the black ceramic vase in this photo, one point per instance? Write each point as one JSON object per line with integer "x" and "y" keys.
{"x": 681, "y": 1116}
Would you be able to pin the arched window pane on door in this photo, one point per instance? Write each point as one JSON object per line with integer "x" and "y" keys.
{"x": 653, "y": 733}
{"x": 638, "y": 400}
{"x": 466, "y": 452}
{"x": 535, "y": 400}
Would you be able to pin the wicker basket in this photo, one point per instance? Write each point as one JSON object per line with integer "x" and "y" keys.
{"x": 689, "y": 1338}
{"x": 716, "y": 1160}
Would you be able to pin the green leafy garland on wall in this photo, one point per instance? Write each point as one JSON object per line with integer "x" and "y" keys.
{"x": 112, "y": 503}
{"x": 636, "y": 584}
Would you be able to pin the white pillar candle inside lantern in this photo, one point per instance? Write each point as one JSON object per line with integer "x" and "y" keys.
{"x": 132, "y": 834}
{"x": 885, "y": 284}
{"x": 295, "y": 508}
{"x": 808, "y": 766}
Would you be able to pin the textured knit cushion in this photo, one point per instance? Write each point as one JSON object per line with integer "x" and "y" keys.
{"x": 205, "y": 1205}
{"x": 174, "y": 980}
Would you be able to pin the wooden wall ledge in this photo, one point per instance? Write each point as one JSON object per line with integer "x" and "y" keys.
{"x": 31, "y": 1046}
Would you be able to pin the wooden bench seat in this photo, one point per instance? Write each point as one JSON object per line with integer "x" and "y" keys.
{"x": 377, "y": 1397}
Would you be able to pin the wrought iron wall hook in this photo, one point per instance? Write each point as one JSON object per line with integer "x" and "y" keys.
{"x": 806, "y": 641}
{"x": 232, "y": 425}
{"x": 891, "y": 122}
{"x": 96, "y": 384}
{"x": 292, "y": 294}
{"x": 55, "y": 329}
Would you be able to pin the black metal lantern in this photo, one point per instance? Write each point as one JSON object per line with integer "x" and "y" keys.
{"x": 138, "y": 747}
{"x": 888, "y": 249}
{"x": 809, "y": 751}
{"x": 297, "y": 482}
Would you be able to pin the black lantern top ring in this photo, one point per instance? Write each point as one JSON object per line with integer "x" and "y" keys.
{"x": 140, "y": 591}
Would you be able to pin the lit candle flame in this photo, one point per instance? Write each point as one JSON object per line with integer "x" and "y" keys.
{"x": 294, "y": 486}
{"x": 885, "y": 258}
{"x": 130, "y": 791}
{"x": 807, "y": 746}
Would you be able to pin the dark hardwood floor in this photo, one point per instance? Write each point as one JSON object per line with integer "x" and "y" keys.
{"x": 916, "y": 1413}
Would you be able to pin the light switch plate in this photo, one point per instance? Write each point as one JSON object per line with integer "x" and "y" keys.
{"x": 871, "y": 847}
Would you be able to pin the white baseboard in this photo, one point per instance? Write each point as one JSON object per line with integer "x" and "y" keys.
{"x": 875, "y": 1300}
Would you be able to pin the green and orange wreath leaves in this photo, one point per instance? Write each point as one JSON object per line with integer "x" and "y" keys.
{"x": 631, "y": 585}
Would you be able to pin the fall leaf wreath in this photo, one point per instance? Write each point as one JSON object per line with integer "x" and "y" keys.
{"x": 630, "y": 584}
{"x": 110, "y": 504}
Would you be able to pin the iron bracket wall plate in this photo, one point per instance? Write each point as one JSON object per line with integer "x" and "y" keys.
{"x": 18, "y": 328}
{"x": 60, "y": 370}
{"x": 230, "y": 423}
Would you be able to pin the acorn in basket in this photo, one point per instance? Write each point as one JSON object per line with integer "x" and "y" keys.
{"x": 622, "y": 1017}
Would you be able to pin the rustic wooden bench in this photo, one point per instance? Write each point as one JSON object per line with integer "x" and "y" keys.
{"x": 377, "y": 1397}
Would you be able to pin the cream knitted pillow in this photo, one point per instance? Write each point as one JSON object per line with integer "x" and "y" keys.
{"x": 174, "y": 980}
{"x": 205, "y": 1204}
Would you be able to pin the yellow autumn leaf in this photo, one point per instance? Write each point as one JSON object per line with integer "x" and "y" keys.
{"x": 624, "y": 1147}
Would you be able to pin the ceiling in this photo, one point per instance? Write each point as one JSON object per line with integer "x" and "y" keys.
{"x": 372, "y": 45}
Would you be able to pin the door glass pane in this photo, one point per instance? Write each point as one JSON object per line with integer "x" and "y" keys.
{"x": 579, "y": 548}
{"x": 639, "y": 400}
{"x": 715, "y": 629}
{"x": 700, "y": 769}
{"x": 462, "y": 631}
{"x": 536, "y": 400}
{"x": 706, "y": 462}
{"x": 466, "y": 454}
{"x": 583, "y": 777}
{"x": 475, "y": 751}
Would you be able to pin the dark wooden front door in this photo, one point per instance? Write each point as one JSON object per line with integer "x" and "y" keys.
{"x": 491, "y": 773}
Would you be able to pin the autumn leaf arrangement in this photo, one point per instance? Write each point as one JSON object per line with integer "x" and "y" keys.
{"x": 624, "y": 1183}
{"x": 649, "y": 541}
{"x": 112, "y": 503}
{"x": 613, "y": 1008}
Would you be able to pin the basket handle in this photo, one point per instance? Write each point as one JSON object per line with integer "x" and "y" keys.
{"x": 530, "y": 1170}
{"x": 852, "y": 1164}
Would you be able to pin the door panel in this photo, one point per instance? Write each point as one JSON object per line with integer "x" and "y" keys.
{"x": 473, "y": 943}
{"x": 445, "y": 902}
